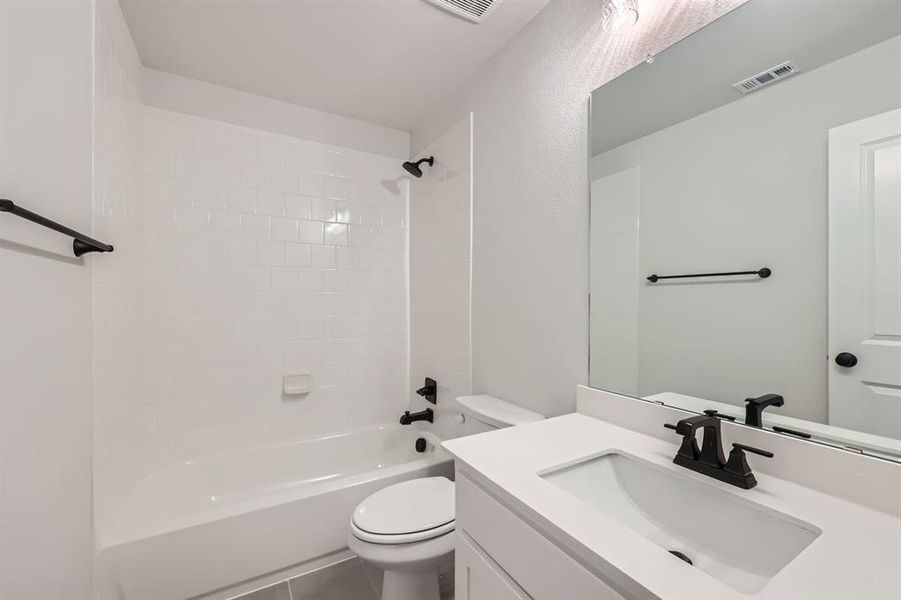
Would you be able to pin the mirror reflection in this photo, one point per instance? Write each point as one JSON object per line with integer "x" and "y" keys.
{"x": 745, "y": 251}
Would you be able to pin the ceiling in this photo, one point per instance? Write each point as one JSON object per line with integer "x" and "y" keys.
{"x": 696, "y": 74}
{"x": 381, "y": 61}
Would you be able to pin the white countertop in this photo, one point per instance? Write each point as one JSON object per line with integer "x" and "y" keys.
{"x": 857, "y": 556}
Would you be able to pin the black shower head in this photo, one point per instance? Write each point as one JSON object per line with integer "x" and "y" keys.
{"x": 413, "y": 168}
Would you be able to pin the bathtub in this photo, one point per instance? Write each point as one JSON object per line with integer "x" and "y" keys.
{"x": 208, "y": 524}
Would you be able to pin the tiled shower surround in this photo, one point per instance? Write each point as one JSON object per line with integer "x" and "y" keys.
{"x": 264, "y": 256}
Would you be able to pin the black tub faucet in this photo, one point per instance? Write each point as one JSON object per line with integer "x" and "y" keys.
{"x": 710, "y": 459}
{"x": 754, "y": 408}
{"x": 423, "y": 415}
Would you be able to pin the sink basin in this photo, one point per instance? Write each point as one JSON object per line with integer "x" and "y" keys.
{"x": 733, "y": 540}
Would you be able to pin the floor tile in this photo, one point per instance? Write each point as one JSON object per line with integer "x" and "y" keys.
{"x": 345, "y": 581}
{"x": 279, "y": 591}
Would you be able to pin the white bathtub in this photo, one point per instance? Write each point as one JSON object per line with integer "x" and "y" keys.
{"x": 208, "y": 524}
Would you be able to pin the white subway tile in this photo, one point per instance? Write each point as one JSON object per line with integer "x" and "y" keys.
{"x": 284, "y": 278}
{"x": 335, "y": 234}
{"x": 172, "y": 190}
{"x": 241, "y": 251}
{"x": 209, "y": 195}
{"x": 270, "y": 203}
{"x": 159, "y": 160}
{"x": 240, "y": 199}
{"x": 285, "y": 181}
{"x": 335, "y": 281}
{"x": 225, "y": 223}
{"x": 284, "y": 229}
{"x": 261, "y": 254}
{"x": 309, "y": 184}
{"x": 335, "y": 187}
{"x": 298, "y": 255}
{"x": 324, "y": 209}
{"x": 190, "y": 219}
{"x": 359, "y": 236}
{"x": 323, "y": 257}
{"x": 311, "y": 280}
{"x": 298, "y": 207}
{"x": 255, "y": 174}
{"x": 270, "y": 253}
{"x": 159, "y": 217}
{"x": 348, "y": 212}
{"x": 255, "y": 226}
{"x": 298, "y": 157}
{"x": 311, "y": 232}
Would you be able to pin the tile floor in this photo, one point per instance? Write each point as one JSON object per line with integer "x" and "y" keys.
{"x": 348, "y": 580}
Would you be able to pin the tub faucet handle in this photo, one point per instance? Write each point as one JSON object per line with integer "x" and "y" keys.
{"x": 429, "y": 391}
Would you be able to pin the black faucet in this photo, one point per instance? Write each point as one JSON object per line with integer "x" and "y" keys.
{"x": 754, "y": 408}
{"x": 710, "y": 459}
{"x": 429, "y": 391}
{"x": 423, "y": 415}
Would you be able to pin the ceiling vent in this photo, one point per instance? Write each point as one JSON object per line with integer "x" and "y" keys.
{"x": 777, "y": 73}
{"x": 471, "y": 10}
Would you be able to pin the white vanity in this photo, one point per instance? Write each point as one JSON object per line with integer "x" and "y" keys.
{"x": 579, "y": 507}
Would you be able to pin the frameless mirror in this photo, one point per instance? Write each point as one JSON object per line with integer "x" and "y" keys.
{"x": 746, "y": 223}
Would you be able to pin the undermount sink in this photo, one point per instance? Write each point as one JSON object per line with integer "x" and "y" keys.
{"x": 729, "y": 538}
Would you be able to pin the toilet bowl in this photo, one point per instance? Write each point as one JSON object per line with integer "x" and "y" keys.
{"x": 407, "y": 529}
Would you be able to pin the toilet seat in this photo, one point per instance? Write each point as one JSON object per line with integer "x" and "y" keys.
{"x": 407, "y": 512}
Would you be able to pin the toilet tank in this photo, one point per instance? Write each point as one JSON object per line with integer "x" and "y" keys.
{"x": 494, "y": 413}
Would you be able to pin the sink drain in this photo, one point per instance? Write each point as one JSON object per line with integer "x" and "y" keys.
{"x": 681, "y": 556}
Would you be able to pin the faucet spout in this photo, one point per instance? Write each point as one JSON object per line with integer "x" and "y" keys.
{"x": 423, "y": 415}
{"x": 710, "y": 459}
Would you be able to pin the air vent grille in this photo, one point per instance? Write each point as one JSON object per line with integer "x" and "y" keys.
{"x": 472, "y": 10}
{"x": 767, "y": 77}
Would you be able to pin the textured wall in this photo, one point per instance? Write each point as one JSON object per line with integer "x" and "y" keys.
{"x": 45, "y": 301}
{"x": 530, "y": 213}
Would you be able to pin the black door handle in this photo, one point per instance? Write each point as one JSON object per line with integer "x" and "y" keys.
{"x": 845, "y": 359}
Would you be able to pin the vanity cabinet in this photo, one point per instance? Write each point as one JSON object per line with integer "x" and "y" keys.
{"x": 477, "y": 577}
{"x": 500, "y": 556}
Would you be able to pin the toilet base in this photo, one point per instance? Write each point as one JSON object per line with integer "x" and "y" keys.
{"x": 411, "y": 570}
{"x": 422, "y": 585}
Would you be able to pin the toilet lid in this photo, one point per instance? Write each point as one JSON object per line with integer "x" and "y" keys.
{"x": 411, "y": 506}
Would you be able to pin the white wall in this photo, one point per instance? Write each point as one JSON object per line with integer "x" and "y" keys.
{"x": 45, "y": 301}
{"x": 440, "y": 268}
{"x": 530, "y": 213}
{"x": 614, "y": 271}
{"x": 742, "y": 187}
{"x": 181, "y": 94}
{"x": 267, "y": 255}
{"x": 118, "y": 130}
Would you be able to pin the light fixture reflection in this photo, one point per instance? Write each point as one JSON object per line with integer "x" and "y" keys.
{"x": 620, "y": 14}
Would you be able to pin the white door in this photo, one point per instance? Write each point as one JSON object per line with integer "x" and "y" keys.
{"x": 865, "y": 275}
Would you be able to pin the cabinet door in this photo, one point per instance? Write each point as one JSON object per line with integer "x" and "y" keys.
{"x": 477, "y": 577}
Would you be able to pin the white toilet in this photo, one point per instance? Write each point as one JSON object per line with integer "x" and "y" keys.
{"x": 405, "y": 529}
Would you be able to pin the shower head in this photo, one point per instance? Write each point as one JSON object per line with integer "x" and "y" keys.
{"x": 413, "y": 168}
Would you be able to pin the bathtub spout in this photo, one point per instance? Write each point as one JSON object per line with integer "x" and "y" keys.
{"x": 424, "y": 415}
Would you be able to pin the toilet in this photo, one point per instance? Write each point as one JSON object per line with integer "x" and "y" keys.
{"x": 405, "y": 529}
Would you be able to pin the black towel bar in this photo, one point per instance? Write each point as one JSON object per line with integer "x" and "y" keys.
{"x": 81, "y": 244}
{"x": 762, "y": 273}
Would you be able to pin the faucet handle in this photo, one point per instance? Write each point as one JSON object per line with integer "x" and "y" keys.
{"x": 715, "y": 413}
{"x": 689, "y": 448}
{"x": 754, "y": 450}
